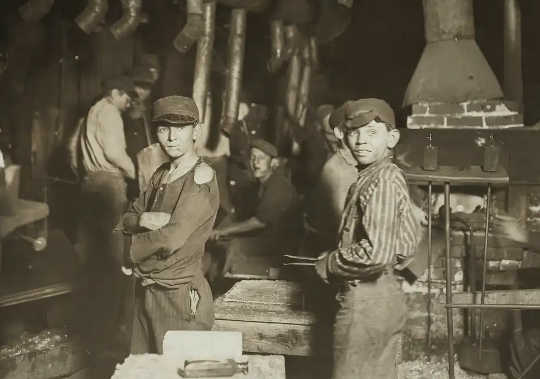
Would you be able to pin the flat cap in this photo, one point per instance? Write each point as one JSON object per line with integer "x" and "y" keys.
{"x": 264, "y": 146}
{"x": 356, "y": 113}
{"x": 142, "y": 75}
{"x": 122, "y": 83}
{"x": 175, "y": 110}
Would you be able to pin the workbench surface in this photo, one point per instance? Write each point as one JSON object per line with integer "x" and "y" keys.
{"x": 146, "y": 366}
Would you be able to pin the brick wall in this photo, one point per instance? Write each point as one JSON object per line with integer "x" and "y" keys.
{"x": 477, "y": 114}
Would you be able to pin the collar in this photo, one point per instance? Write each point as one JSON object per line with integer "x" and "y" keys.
{"x": 374, "y": 166}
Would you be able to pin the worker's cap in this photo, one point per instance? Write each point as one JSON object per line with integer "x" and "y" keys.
{"x": 121, "y": 83}
{"x": 357, "y": 113}
{"x": 175, "y": 110}
{"x": 142, "y": 76}
{"x": 264, "y": 146}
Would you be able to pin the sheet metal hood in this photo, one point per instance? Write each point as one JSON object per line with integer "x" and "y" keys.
{"x": 452, "y": 68}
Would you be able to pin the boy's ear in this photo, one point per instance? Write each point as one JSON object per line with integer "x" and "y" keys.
{"x": 274, "y": 163}
{"x": 196, "y": 131}
{"x": 393, "y": 138}
{"x": 339, "y": 133}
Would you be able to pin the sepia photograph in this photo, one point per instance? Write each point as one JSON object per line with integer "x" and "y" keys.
{"x": 269, "y": 189}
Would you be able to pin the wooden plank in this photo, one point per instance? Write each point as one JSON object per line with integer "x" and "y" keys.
{"x": 260, "y": 337}
{"x": 233, "y": 311}
{"x": 526, "y": 296}
{"x": 267, "y": 292}
{"x": 454, "y": 175}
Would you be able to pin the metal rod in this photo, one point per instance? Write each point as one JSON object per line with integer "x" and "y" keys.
{"x": 484, "y": 268}
{"x": 494, "y": 306}
{"x": 529, "y": 367}
{"x": 449, "y": 316}
{"x": 429, "y": 253}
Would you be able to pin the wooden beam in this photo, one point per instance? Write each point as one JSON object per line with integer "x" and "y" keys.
{"x": 526, "y": 296}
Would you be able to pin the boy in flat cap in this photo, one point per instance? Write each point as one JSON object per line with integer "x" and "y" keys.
{"x": 377, "y": 235}
{"x": 167, "y": 228}
{"x": 258, "y": 242}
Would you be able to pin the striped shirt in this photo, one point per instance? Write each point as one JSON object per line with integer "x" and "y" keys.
{"x": 377, "y": 225}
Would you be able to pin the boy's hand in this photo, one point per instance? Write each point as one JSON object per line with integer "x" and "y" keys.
{"x": 154, "y": 220}
{"x": 510, "y": 228}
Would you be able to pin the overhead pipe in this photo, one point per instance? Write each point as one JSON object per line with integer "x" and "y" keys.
{"x": 203, "y": 64}
{"x": 91, "y": 18}
{"x": 314, "y": 52}
{"x": 193, "y": 29}
{"x": 304, "y": 87}
{"x": 35, "y": 10}
{"x": 277, "y": 36}
{"x": 513, "y": 72}
{"x": 130, "y": 20}
{"x": 255, "y": 6}
{"x": 293, "y": 84}
{"x": 203, "y": 60}
{"x": 237, "y": 40}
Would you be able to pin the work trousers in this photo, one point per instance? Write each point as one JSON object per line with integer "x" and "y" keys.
{"x": 158, "y": 309}
{"x": 103, "y": 201}
{"x": 367, "y": 329}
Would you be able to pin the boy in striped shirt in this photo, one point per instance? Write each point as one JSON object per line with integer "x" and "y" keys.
{"x": 378, "y": 234}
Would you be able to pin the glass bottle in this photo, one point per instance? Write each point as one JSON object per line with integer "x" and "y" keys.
{"x": 491, "y": 155}
{"x": 431, "y": 155}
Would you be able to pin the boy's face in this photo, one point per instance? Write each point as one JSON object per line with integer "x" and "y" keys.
{"x": 176, "y": 141}
{"x": 371, "y": 142}
{"x": 260, "y": 163}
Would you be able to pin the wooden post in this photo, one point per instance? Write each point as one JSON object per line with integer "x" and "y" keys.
{"x": 513, "y": 73}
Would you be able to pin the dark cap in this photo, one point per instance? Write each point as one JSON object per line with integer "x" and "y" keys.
{"x": 142, "y": 75}
{"x": 265, "y": 147}
{"x": 122, "y": 83}
{"x": 356, "y": 113}
{"x": 175, "y": 110}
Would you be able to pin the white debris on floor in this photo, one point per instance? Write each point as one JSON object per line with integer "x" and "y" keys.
{"x": 437, "y": 368}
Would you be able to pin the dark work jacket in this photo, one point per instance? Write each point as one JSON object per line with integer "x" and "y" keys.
{"x": 172, "y": 255}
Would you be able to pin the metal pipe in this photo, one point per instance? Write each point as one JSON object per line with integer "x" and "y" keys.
{"x": 293, "y": 83}
{"x": 203, "y": 60}
{"x": 237, "y": 40}
{"x": 35, "y": 10}
{"x": 277, "y": 38}
{"x": 314, "y": 52}
{"x": 429, "y": 258}
{"x": 484, "y": 267}
{"x": 449, "y": 315}
{"x": 513, "y": 73}
{"x": 131, "y": 18}
{"x": 494, "y": 306}
{"x": 304, "y": 87}
{"x": 194, "y": 27}
{"x": 91, "y": 18}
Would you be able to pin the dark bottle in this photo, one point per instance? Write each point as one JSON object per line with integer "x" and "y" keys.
{"x": 491, "y": 155}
